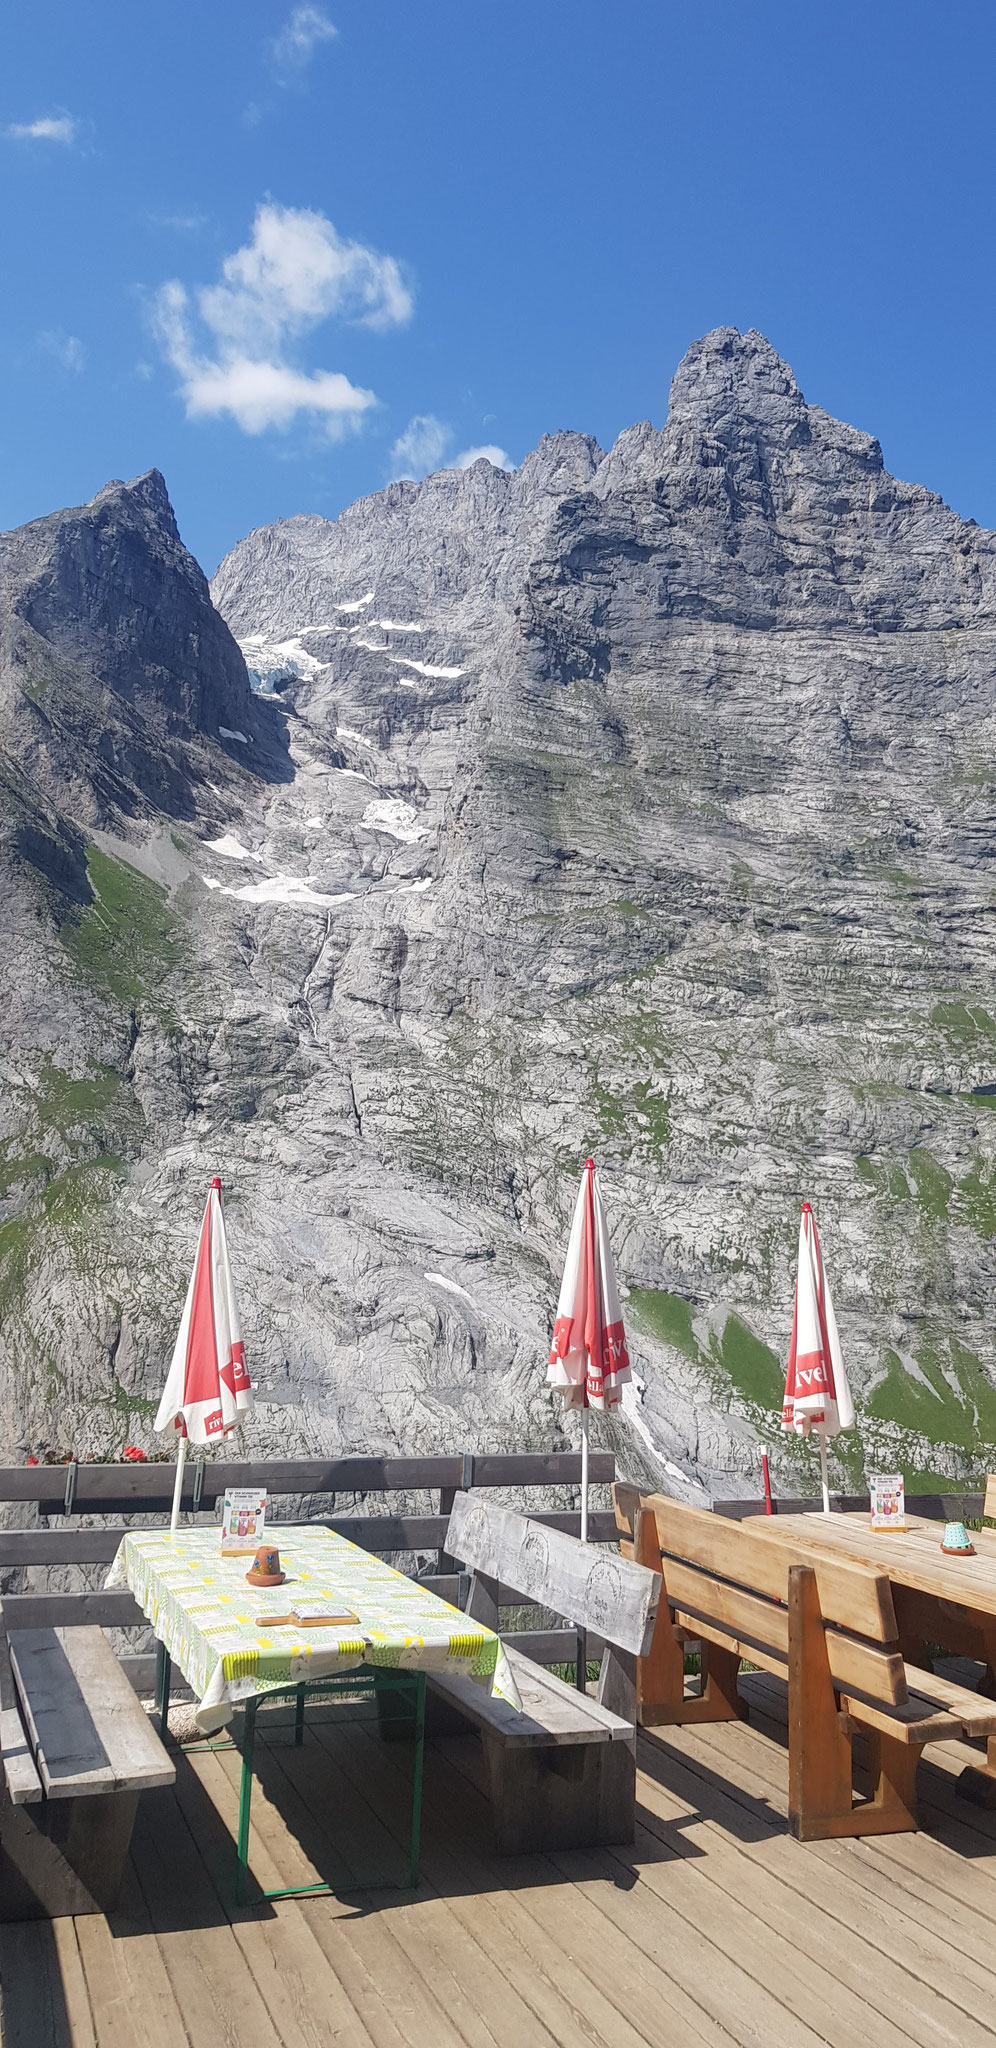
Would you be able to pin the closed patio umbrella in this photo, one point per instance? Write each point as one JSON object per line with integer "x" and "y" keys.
{"x": 817, "y": 1395}
{"x": 589, "y": 1362}
{"x": 207, "y": 1387}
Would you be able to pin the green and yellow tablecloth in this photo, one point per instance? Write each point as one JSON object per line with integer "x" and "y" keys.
{"x": 212, "y": 1622}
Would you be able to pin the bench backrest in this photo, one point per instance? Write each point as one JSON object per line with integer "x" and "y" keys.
{"x": 591, "y": 1587}
{"x": 722, "y": 1576}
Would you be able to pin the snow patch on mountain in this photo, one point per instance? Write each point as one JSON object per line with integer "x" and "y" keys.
{"x": 390, "y": 814}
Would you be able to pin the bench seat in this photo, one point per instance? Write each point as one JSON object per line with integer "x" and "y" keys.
{"x": 829, "y": 1628}
{"x": 78, "y": 1749}
{"x": 562, "y": 1772}
{"x": 551, "y": 1710}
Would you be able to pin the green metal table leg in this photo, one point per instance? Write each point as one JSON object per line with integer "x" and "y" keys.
{"x": 245, "y": 1799}
{"x": 299, "y": 1718}
{"x": 164, "y": 1672}
{"x": 416, "y": 1837}
{"x": 413, "y": 1690}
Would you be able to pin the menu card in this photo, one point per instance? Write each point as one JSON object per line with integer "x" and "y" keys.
{"x": 242, "y": 1521}
{"x": 888, "y": 1500}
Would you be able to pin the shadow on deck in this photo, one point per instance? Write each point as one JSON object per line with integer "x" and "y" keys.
{"x": 715, "y": 1928}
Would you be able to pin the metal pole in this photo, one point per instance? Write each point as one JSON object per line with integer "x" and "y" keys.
{"x": 416, "y": 1834}
{"x": 181, "y": 1459}
{"x": 584, "y": 1473}
{"x": 823, "y": 1472}
{"x": 766, "y": 1476}
{"x": 245, "y": 1798}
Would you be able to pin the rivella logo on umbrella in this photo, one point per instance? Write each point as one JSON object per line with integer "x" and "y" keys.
{"x": 207, "y": 1386}
{"x": 589, "y": 1361}
{"x": 817, "y": 1395}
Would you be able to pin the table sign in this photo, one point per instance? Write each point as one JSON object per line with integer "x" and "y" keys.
{"x": 888, "y": 1500}
{"x": 242, "y": 1521}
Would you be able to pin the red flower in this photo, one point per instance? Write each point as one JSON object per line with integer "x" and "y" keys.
{"x": 31, "y": 1459}
{"x": 134, "y": 1455}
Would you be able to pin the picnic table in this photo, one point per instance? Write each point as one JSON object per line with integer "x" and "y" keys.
{"x": 211, "y": 1624}
{"x": 939, "y": 1598}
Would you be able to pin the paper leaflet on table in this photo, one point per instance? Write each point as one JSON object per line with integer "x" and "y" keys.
{"x": 888, "y": 1500}
{"x": 243, "y": 1521}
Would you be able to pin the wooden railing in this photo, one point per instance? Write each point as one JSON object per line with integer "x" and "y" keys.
{"x": 142, "y": 1492}
{"x": 935, "y": 1507}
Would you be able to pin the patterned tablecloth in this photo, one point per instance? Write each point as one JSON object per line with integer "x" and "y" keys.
{"x": 213, "y": 1623}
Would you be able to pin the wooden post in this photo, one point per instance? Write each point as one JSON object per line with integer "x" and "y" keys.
{"x": 660, "y": 1676}
{"x": 820, "y": 1795}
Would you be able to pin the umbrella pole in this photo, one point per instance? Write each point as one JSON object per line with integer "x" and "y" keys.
{"x": 824, "y": 1481}
{"x": 181, "y": 1459}
{"x": 584, "y": 1473}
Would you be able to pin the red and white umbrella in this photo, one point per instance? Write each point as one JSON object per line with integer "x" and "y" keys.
{"x": 207, "y": 1386}
{"x": 817, "y": 1395}
{"x": 589, "y": 1362}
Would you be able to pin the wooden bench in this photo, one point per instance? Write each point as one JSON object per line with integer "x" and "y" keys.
{"x": 829, "y": 1629}
{"x": 562, "y": 1773}
{"x": 78, "y": 1749}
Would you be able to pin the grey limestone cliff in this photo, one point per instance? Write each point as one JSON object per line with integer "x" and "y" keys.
{"x": 638, "y": 802}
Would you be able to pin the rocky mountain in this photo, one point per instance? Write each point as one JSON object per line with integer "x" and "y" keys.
{"x": 639, "y": 802}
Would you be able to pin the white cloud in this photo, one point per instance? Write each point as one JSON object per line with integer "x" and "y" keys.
{"x": 489, "y": 453}
{"x": 48, "y": 128}
{"x": 423, "y": 445}
{"x": 304, "y": 30}
{"x": 67, "y": 349}
{"x": 296, "y": 272}
{"x": 420, "y": 448}
{"x": 181, "y": 223}
{"x": 231, "y": 341}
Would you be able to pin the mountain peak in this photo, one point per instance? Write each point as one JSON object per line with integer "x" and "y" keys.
{"x": 735, "y": 390}
{"x": 144, "y": 494}
{"x": 728, "y": 376}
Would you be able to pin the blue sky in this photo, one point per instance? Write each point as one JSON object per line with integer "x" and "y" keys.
{"x": 252, "y": 241}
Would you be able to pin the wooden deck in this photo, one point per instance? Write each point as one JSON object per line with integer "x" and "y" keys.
{"x": 717, "y": 1928}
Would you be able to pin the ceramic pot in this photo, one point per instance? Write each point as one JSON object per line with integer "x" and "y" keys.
{"x": 265, "y": 1567}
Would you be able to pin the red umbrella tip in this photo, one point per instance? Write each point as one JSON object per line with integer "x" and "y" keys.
{"x": 591, "y": 1163}
{"x": 216, "y": 1183}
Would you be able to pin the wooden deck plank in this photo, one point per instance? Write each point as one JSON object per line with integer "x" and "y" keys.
{"x": 542, "y": 1929}
{"x": 361, "y": 1944}
{"x": 125, "y": 1975}
{"x": 931, "y": 1947}
{"x": 882, "y": 1964}
{"x": 74, "y": 1986}
{"x": 724, "y": 1987}
{"x": 34, "y": 2010}
{"x": 475, "y": 1996}
{"x": 219, "y": 2002}
{"x": 307, "y": 2004}
{"x": 717, "y": 1929}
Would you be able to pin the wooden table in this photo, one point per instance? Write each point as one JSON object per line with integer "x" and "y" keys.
{"x": 213, "y": 1626}
{"x": 940, "y": 1599}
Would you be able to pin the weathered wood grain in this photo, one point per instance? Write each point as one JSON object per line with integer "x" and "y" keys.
{"x": 134, "y": 1485}
{"x": 22, "y": 1780}
{"x": 552, "y": 1712}
{"x": 87, "y": 1730}
{"x": 856, "y": 1599}
{"x": 593, "y": 1589}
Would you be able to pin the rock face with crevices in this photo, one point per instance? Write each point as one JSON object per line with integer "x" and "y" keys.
{"x": 639, "y": 803}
